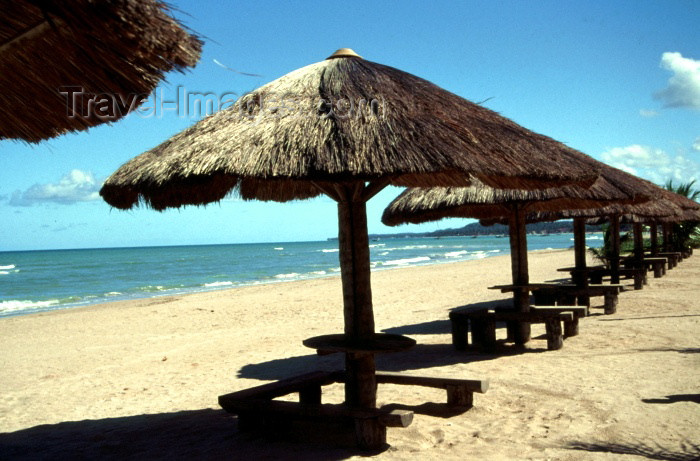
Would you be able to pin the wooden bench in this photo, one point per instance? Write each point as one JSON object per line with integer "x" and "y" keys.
{"x": 256, "y": 409}
{"x": 639, "y": 275}
{"x": 482, "y": 324}
{"x": 570, "y": 327}
{"x": 657, "y": 265}
{"x": 566, "y": 294}
{"x": 674, "y": 258}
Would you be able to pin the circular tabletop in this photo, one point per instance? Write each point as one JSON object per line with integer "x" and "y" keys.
{"x": 379, "y": 342}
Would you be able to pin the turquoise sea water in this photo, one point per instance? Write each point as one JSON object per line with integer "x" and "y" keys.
{"x": 35, "y": 281}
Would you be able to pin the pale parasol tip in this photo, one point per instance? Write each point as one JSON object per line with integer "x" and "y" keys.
{"x": 344, "y": 53}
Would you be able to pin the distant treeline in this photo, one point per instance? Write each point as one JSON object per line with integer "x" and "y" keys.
{"x": 557, "y": 227}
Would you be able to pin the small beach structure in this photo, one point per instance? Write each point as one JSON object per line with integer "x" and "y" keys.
{"x": 68, "y": 65}
{"x": 417, "y": 205}
{"x": 344, "y": 127}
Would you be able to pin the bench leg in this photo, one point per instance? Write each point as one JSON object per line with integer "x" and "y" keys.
{"x": 310, "y": 395}
{"x": 657, "y": 271}
{"x": 555, "y": 340}
{"x": 571, "y": 328}
{"x": 460, "y": 334}
{"x": 610, "y": 303}
{"x": 584, "y": 300}
{"x": 370, "y": 434}
{"x": 639, "y": 281}
{"x": 459, "y": 396}
{"x": 522, "y": 333}
{"x": 484, "y": 334}
{"x": 511, "y": 329}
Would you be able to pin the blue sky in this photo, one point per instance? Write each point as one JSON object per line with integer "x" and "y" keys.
{"x": 617, "y": 80}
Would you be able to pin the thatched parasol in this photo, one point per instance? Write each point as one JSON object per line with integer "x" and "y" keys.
{"x": 115, "y": 50}
{"x": 344, "y": 127}
{"x": 662, "y": 206}
{"x": 667, "y": 208}
{"x": 416, "y": 205}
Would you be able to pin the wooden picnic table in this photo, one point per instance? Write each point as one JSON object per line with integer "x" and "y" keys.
{"x": 481, "y": 322}
{"x": 596, "y": 273}
{"x": 549, "y": 293}
{"x": 257, "y": 408}
{"x": 656, "y": 264}
{"x": 674, "y": 257}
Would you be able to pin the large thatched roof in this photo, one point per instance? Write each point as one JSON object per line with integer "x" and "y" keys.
{"x": 418, "y": 205}
{"x": 120, "y": 48}
{"x": 341, "y": 119}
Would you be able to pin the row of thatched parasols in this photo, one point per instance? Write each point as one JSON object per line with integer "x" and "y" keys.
{"x": 356, "y": 127}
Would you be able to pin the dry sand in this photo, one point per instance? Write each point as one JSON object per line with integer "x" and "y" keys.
{"x": 140, "y": 379}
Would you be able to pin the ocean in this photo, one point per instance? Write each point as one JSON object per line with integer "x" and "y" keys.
{"x": 36, "y": 281}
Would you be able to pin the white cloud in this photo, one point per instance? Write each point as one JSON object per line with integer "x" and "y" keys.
{"x": 653, "y": 164}
{"x": 683, "y": 88}
{"x": 76, "y": 186}
{"x": 696, "y": 144}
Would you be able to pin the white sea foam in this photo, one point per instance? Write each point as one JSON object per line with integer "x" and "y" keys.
{"x": 218, "y": 284}
{"x": 17, "y": 305}
{"x": 7, "y": 268}
{"x": 405, "y": 261}
{"x": 330, "y": 250}
{"x": 287, "y": 276}
{"x": 113, "y": 293}
{"x": 278, "y": 248}
{"x": 4, "y": 273}
{"x": 319, "y": 272}
{"x": 456, "y": 254}
{"x": 376, "y": 245}
{"x": 152, "y": 288}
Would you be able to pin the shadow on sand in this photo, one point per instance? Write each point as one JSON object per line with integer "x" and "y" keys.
{"x": 420, "y": 357}
{"x": 688, "y": 451}
{"x": 187, "y": 435}
{"x": 693, "y": 398}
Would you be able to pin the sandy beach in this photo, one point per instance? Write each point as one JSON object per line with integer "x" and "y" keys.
{"x": 140, "y": 379}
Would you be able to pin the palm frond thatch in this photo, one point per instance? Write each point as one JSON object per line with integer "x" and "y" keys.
{"x": 120, "y": 48}
{"x": 342, "y": 120}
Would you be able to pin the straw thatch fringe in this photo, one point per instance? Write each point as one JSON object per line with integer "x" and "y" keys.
{"x": 479, "y": 201}
{"x": 120, "y": 48}
{"x": 666, "y": 206}
{"x": 339, "y": 120}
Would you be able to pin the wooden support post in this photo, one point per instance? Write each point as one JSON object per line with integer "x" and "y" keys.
{"x": 353, "y": 242}
{"x": 638, "y": 244}
{"x": 615, "y": 248}
{"x": 666, "y": 232}
{"x": 580, "y": 275}
{"x": 518, "y": 257}
{"x": 653, "y": 233}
